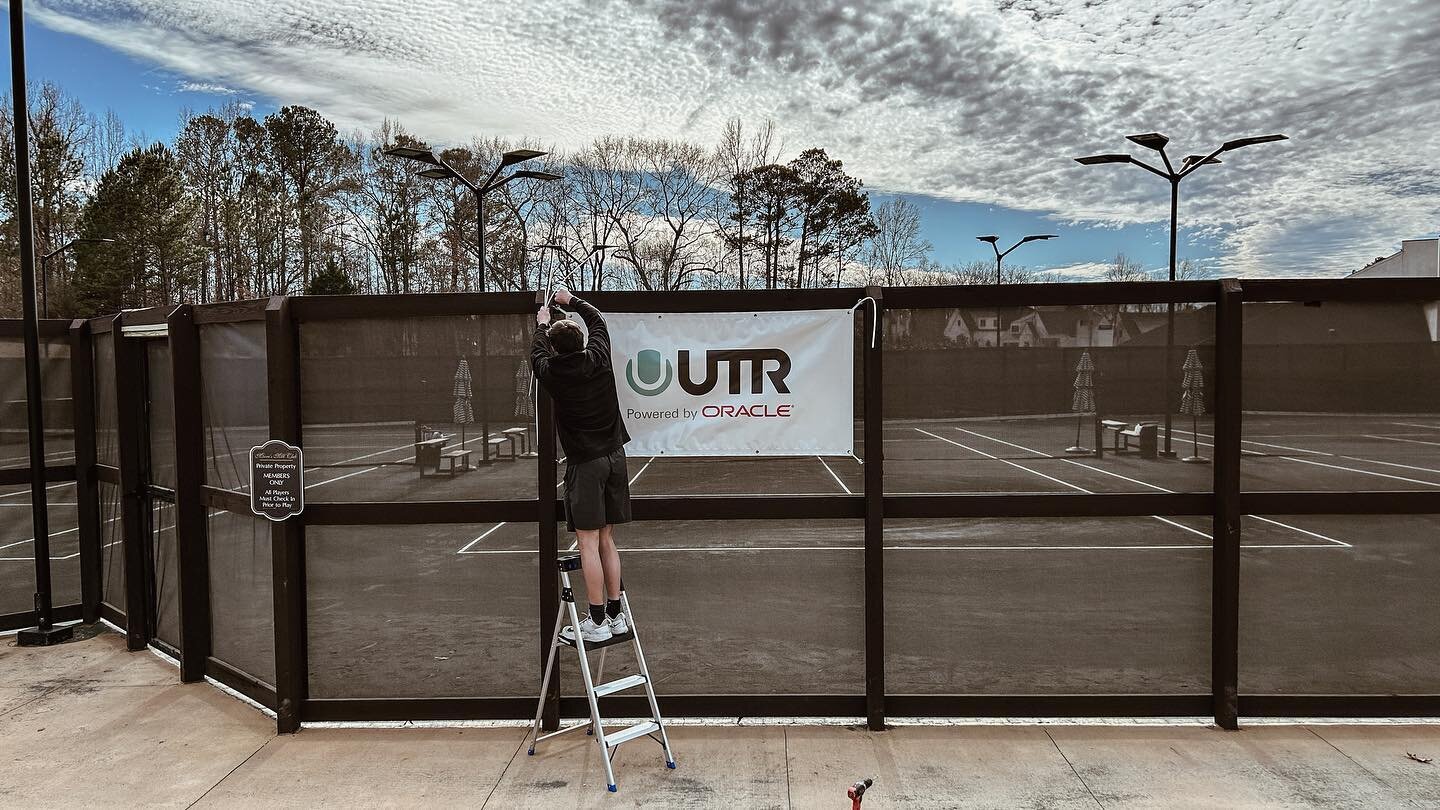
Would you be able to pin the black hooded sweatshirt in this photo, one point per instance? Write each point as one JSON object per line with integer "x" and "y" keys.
{"x": 587, "y": 411}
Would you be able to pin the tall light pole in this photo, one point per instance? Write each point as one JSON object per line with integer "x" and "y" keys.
{"x": 45, "y": 268}
{"x": 440, "y": 170}
{"x": 999, "y": 256}
{"x": 44, "y": 632}
{"x": 1157, "y": 142}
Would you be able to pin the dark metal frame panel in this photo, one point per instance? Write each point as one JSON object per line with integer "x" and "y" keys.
{"x": 1225, "y": 504}
{"x": 27, "y": 618}
{"x": 873, "y": 430}
{"x": 191, "y": 530}
{"x": 56, "y": 474}
{"x": 130, "y": 395}
{"x": 287, "y": 538}
{"x": 87, "y": 487}
{"x": 242, "y": 682}
{"x": 1225, "y": 525}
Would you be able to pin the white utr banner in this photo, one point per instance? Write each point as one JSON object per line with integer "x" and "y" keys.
{"x": 736, "y": 383}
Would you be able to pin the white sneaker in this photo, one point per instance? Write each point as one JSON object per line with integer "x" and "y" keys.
{"x": 618, "y": 625}
{"x": 589, "y": 630}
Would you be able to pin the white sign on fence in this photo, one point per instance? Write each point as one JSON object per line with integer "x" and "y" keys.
{"x": 736, "y": 383}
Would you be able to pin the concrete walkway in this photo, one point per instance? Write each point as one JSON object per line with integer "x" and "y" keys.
{"x": 89, "y": 724}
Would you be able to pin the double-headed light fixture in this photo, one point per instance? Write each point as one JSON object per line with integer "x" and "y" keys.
{"x": 440, "y": 170}
{"x": 1158, "y": 142}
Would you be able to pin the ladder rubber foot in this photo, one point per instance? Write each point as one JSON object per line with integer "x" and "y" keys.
{"x": 613, "y": 788}
{"x": 530, "y": 753}
{"x": 670, "y": 765}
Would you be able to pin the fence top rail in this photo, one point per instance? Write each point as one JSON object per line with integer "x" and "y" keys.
{"x": 231, "y": 311}
{"x": 48, "y": 328}
{"x": 334, "y": 307}
{"x": 1052, "y": 294}
{"x": 1343, "y": 289}
{"x": 149, "y": 316}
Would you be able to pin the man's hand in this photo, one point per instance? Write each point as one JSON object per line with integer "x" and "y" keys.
{"x": 562, "y": 296}
{"x": 543, "y": 316}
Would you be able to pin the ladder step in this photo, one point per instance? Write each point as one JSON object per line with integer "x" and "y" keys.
{"x": 620, "y": 685}
{"x": 610, "y": 642}
{"x": 628, "y": 734}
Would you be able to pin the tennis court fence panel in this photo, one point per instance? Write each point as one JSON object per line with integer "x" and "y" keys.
{"x": 998, "y": 564}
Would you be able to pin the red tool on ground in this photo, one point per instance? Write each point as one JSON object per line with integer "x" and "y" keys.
{"x": 857, "y": 792}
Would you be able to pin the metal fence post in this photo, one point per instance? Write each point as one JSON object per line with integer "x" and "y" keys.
{"x": 549, "y": 545}
{"x": 130, "y": 428}
{"x": 874, "y": 442}
{"x": 191, "y": 540}
{"x": 287, "y": 537}
{"x": 1225, "y": 585}
{"x": 87, "y": 488}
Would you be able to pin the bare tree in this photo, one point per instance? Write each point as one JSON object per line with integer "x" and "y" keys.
{"x": 896, "y": 245}
{"x": 1124, "y": 268}
{"x": 737, "y": 157}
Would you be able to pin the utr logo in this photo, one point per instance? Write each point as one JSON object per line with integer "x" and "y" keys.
{"x": 649, "y": 374}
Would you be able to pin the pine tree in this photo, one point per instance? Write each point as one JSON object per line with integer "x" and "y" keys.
{"x": 142, "y": 203}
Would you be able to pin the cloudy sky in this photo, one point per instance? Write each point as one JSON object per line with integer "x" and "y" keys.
{"x": 971, "y": 108}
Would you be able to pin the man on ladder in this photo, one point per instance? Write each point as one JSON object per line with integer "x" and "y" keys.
{"x": 578, "y": 376}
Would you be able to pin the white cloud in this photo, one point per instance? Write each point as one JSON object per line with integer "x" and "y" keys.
{"x": 210, "y": 88}
{"x": 1084, "y": 271}
{"x": 967, "y": 100}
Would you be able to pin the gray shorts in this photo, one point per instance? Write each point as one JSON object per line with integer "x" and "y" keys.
{"x": 597, "y": 492}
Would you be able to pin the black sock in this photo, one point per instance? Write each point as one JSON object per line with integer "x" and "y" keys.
{"x": 597, "y": 614}
{"x": 612, "y": 607}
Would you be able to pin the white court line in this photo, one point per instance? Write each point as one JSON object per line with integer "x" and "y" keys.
{"x": 1348, "y": 469}
{"x": 1415, "y": 424}
{"x": 1391, "y": 464}
{"x": 50, "y": 456}
{"x": 54, "y": 559}
{"x": 736, "y": 549}
{"x": 488, "y": 532}
{"x": 1367, "y": 472}
{"x": 339, "y": 478}
{"x": 53, "y": 534}
{"x": 1164, "y": 520}
{"x": 26, "y": 490}
{"x": 1394, "y": 439}
{"x": 1171, "y": 491}
{"x": 836, "y": 477}
{"x": 573, "y": 546}
{"x": 410, "y": 457}
{"x": 1258, "y": 444}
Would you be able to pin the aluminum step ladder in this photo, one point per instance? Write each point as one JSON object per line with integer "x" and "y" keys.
{"x": 609, "y": 741}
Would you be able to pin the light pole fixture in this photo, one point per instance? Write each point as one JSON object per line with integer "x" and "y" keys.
{"x": 993, "y": 241}
{"x": 45, "y": 267}
{"x": 1157, "y": 142}
{"x": 440, "y": 170}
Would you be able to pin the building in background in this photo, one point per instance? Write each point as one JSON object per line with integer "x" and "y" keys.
{"x": 1417, "y": 258}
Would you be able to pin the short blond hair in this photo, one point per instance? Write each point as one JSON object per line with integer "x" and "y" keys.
{"x": 566, "y": 337}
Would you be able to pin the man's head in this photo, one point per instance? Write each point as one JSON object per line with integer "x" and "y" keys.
{"x": 566, "y": 337}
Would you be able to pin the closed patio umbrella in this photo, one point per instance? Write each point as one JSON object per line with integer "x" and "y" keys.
{"x": 1084, "y": 400}
{"x": 464, "y": 414}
